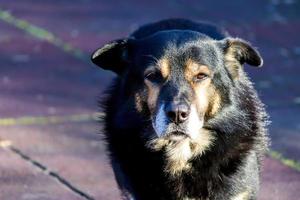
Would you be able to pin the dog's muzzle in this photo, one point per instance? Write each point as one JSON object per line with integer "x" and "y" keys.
{"x": 177, "y": 113}
{"x": 178, "y": 120}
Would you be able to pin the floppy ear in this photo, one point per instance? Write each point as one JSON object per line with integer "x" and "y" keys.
{"x": 237, "y": 52}
{"x": 112, "y": 56}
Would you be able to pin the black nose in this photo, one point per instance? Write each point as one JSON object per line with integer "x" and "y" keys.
{"x": 177, "y": 113}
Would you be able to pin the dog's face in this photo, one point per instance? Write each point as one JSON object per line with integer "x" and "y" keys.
{"x": 180, "y": 94}
{"x": 181, "y": 80}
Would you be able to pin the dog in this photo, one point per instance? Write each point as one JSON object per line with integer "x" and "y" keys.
{"x": 182, "y": 119}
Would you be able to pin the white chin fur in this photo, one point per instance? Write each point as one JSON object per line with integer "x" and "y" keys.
{"x": 179, "y": 152}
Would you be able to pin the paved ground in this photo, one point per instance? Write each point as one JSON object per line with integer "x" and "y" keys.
{"x": 45, "y": 71}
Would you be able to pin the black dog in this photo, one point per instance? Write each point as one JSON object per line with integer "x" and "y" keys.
{"x": 183, "y": 120}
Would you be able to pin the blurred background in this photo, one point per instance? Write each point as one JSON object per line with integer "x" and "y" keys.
{"x": 49, "y": 147}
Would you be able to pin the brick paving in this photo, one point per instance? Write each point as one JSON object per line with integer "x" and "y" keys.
{"x": 19, "y": 180}
{"x": 39, "y": 78}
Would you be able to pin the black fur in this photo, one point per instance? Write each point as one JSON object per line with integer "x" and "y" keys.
{"x": 229, "y": 167}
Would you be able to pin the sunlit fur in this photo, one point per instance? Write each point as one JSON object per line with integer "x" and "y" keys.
{"x": 218, "y": 154}
{"x": 179, "y": 152}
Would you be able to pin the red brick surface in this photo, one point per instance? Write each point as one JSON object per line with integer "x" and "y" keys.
{"x": 74, "y": 151}
{"x": 279, "y": 182}
{"x": 19, "y": 180}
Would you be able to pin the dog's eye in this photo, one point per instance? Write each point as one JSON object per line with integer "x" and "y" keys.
{"x": 200, "y": 77}
{"x": 153, "y": 76}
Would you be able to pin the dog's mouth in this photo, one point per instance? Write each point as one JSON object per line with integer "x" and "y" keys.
{"x": 177, "y": 135}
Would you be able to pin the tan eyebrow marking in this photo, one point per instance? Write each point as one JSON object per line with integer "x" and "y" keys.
{"x": 164, "y": 67}
{"x": 192, "y": 69}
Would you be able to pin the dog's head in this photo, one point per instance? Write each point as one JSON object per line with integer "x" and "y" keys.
{"x": 179, "y": 80}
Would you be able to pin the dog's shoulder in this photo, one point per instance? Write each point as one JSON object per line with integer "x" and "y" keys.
{"x": 208, "y": 29}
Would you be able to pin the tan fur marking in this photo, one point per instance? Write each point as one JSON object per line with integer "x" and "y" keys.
{"x": 138, "y": 102}
{"x": 177, "y": 157}
{"x": 158, "y": 143}
{"x": 164, "y": 67}
{"x": 192, "y": 69}
{"x": 202, "y": 88}
{"x": 153, "y": 92}
{"x": 179, "y": 153}
{"x": 202, "y": 97}
{"x": 242, "y": 196}
{"x": 214, "y": 101}
{"x": 208, "y": 100}
{"x": 231, "y": 62}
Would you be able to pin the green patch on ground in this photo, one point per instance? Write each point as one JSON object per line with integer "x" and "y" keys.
{"x": 41, "y": 34}
{"x": 44, "y": 120}
{"x": 286, "y": 161}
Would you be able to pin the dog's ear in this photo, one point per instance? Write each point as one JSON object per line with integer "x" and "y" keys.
{"x": 237, "y": 52}
{"x": 112, "y": 56}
